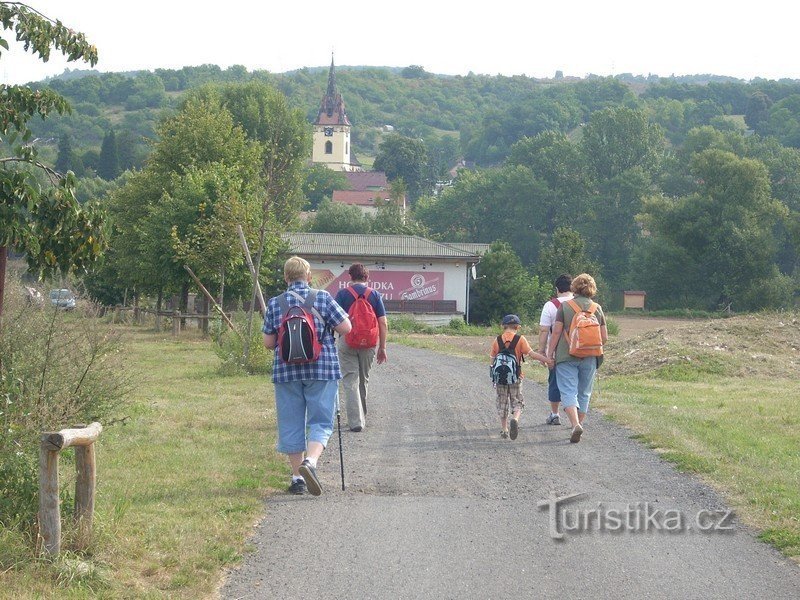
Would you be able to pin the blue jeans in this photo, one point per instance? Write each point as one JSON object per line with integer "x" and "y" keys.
{"x": 302, "y": 405}
{"x": 575, "y": 380}
{"x": 553, "y": 393}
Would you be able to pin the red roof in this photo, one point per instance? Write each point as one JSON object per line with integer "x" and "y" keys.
{"x": 359, "y": 198}
{"x": 361, "y": 181}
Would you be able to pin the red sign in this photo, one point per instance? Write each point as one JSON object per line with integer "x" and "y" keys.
{"x": 393, "y": 285}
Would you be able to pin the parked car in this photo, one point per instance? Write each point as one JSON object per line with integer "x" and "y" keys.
{"x": 63, "y": 299}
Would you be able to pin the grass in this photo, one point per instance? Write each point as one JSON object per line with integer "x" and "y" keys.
{"x": 180, "y": 484}
{"x": 739, "y": 434}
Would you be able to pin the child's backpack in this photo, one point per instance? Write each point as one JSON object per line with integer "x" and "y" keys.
{"x": 583, "y": 335}
{"x": 505, "y": 369}
{"x": 364, "y": 333}
{"x": 297, "y": 335}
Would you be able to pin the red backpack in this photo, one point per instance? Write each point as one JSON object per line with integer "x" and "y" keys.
{"x": 364, "y": 333}
{"x": 298, "y": 342}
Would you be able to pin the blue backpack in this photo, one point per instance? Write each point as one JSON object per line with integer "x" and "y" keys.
{"x": 505, "y": 368}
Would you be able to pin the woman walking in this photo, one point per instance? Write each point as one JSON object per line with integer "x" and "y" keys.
{"x": 576, "y": 344}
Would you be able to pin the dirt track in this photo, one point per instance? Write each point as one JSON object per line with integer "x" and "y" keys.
{"x": 438, "y": 506}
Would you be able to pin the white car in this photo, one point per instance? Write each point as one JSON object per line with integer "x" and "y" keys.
{"x": 63, "y": 299}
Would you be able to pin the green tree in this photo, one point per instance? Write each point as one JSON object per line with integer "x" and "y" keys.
{"x": 725, "y": 232}
{"x": 68, "y": 159}
{"x": 404, "y": 158}
{"x": 565, "y": 253}
{"x": 618, "y": 139}
{"x": 45, "y": 222}
{"x": 319, "y": 182}
{"x": 108, "y": 165}
{"x": 504, "y": 286}
{"x": 334, "y": 217}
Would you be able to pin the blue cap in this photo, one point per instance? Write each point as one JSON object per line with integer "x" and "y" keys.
{"x": 511, "y": 320}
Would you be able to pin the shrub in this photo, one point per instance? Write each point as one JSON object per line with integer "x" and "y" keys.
{"x": 230, "y": 348}
{"x": 56, "y": 370}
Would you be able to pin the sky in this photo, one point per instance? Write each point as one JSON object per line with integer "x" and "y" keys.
{"x": 578, "y": 37}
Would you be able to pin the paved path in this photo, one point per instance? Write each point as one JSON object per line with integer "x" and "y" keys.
{"x": 438, "y": 506}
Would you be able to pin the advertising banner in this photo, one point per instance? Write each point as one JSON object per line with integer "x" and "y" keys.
{"x": 393, "y": 285}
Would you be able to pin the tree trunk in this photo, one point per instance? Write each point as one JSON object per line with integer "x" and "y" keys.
{"x": 3, "y": 260}
{"x": 159, "y": 302}
{"x": 184, "y": 304}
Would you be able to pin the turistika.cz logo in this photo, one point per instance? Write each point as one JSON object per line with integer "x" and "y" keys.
{"x": 636, "y": 517}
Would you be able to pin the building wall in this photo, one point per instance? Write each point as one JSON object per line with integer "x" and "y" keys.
{"x": 399, "y": 279}
{"x": 339, "y": 160}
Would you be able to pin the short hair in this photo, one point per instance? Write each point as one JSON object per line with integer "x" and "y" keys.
{"x": 296, "y": 269}
{"x": 358, "y": 272}
{"x": 563, "y": 283}
{"x": 584, "y": 285}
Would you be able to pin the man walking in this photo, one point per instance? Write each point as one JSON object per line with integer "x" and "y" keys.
{"x": 546, "y": 322}
{"x": 358, "y": 350}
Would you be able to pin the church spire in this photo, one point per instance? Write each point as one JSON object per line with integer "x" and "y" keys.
{"x": 331, "y": 80}
{"x": 331, "y": 110}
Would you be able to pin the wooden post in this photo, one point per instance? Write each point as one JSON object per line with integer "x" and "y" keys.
{"x": 176, "y": 322}
{"x": 117, "y": 314}
{"x": 210, "y": 297}
{"x": 83, "y": 438}
{"x": 252, "y": 268}
{"x": 84, "y": 493}
{"x": 49, "y": 502}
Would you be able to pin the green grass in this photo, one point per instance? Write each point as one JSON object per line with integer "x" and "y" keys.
{"x": 180, "y": 484}
{"x": 740, "y": 434}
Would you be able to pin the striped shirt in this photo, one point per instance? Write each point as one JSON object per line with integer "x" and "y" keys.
{"x": 326, "y": 367}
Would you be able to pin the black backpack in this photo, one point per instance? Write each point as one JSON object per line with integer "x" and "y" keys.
{"x": 297, "y": 335}
{"x": 505, "y": 369}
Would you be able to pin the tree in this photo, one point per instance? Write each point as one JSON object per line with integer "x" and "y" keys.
{"x": 504, "y": 286}
{"x": 319, "y": 183}
{"x": 724, "y": 232}
{"x": 108, "y": 165}
{"x": 334, "y": 217}
{"x": 617, "y": 139}
{"x": 68, "y": 159}
{"x": 44, "y": 222}
{"x": 565, "y": 253}
{"x": 757, "y": 111}
{"x": 404, "y": 158}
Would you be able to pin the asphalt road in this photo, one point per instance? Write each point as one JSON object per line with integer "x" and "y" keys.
{"x": 437, "y": 505}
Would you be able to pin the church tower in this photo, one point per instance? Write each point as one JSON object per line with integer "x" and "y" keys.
{"x": 332, "y": 130}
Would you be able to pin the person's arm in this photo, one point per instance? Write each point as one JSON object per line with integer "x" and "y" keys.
{"x": 344, "y": 327}
{"x": 383, "y": 330}
{"x": 558, "y": 328}
{"x": 540, "y": 357}
{"x": 543, "y": 333}
{"x": 270, "y": 340}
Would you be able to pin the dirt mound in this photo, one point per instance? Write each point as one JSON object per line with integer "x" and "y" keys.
{"x": 765, "y": 344}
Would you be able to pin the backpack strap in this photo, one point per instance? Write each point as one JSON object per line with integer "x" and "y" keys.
{"x": 513, "y": 343}
{"x": 356, "y": 295}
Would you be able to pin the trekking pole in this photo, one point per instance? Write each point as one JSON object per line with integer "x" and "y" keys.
{"x": 339, "y": 428}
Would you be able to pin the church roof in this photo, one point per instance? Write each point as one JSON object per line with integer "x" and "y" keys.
{"x": 331, "y": 109}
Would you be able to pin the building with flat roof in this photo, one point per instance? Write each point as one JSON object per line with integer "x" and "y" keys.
{"x": 415, "y": 275}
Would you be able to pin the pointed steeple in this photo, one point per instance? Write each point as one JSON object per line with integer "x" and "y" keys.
{"x": 331, "y": 80}
{"x": 331, "y": 110}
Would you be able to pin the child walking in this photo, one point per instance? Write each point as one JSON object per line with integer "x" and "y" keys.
{"x": 507, "y": 354}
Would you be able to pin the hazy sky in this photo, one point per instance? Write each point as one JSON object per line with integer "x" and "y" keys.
{"x": 745, "y": 40}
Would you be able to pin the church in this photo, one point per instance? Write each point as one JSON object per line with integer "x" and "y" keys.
{"x": 332, "y": 131}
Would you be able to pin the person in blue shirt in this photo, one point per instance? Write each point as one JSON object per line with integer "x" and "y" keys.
{"x": 305, "y": 394}
{"x": 356, "y": 363}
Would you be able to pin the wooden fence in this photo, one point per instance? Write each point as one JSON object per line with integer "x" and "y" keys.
{"x": 82, "y": 437}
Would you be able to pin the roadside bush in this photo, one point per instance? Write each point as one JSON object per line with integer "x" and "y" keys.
{"x": 230, "y": 348}
{"x": 56, "y": 370}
